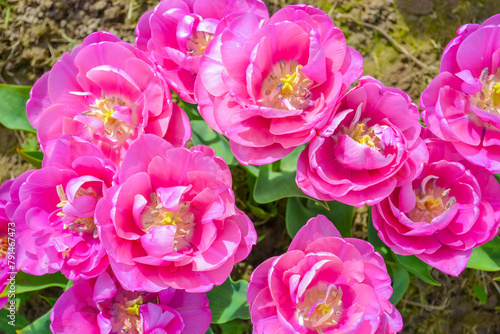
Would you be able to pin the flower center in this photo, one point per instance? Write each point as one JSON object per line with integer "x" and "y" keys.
{"x": 4, "y": 246}
{"x": 77, "y": 224}
{"x": 286, "y": 87}
{"x": 489, "y": 97}
{"x": 320, "y": 308}
{"x": 365, "y": 136}
{"x": 123, "y": 311}
{"x": 432, "y": 200}
{"x": 357, "y": 131}
{"x": 155, "y": 214}
{"x": 197, "y": 43}
{"x": 105, "y": 110}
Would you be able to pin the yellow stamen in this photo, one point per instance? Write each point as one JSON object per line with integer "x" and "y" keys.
{"x": 496, "y": 94}
{"x": 134, "y": 308}
{"x": 62, "y": 196}
{"x": 433, "y": 203}
{"x": 170, "y": 219}
{"x": 360, "y": 128}
{"x": 324, "y": 308}
{"x": 367, "y": 141}
{"x": 289, "y": 81}
{"x": 107, "y": 115}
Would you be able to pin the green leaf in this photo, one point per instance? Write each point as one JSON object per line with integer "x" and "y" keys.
{"x": 400, "y": 282}
{"x": 39, "y": 326}
{"x": 204, "y": 134}
{"x": 417, "y": 267}
{"x": 33, "y": 157}
{"x": 373, "y": 234}
{"x": 25, "y": 282}
{"x": 300, "y": 210}
{"x": 17, "y": 321}
{"x": 50, "y": 300}
{"x": 289, "y": 162}
{"x": 260, "y": 213}
{"x": 486, "y": 257}
{"x": 209, "y": 331}
{"x": 190, "y": 109}
{"x": 273, "y": 185}
{"x": 22, "y": 298}
{"x": 229, "y": 301}
{"x": 13, "y": 107}
{"x": 480, "y": 293}
{"x": 235, "y": 327}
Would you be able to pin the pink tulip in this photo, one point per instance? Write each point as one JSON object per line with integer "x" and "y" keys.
{"x": 462, "y": 103}
{"x": 269, "y": 85}
{"x": 106, "y": 92}
{"x": 177, "y": 32}
{"x": 54, "y": 212}
{"x": 7, "y": 235}
{"x": 370, "y": 147}
{"x": 449, "y": 209}
{"x": 323, "y": 284}
{"x": 101, "y": 305}
{"x": 172, "y": 220}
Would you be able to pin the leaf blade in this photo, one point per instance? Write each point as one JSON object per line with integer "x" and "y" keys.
{"x": 228, "y": 301}
{"x": 13, "y": 107}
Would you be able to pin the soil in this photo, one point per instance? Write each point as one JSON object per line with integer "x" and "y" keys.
{"x": 401, "y": 42}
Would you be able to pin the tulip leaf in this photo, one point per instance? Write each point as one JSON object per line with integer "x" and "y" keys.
{"x": 417, "y": 267}
{"x": 235, "y": 327}
{"x": 272, "y": 186}
{"x": 373, "y": 234}
{"x": 13, "y": 107}
{"x": 10, "y": 322}
{"x": 191, "y": 110}
{"x": 277, "y": 181}
{"x": 400, "y": 282}
{"x": 210, "y": 331}
{"x": 486, "y": 257}
{"x": 24, "y": 282}
{"x": 39, "y": 326}
{"x": 33, "y": 157}
{"x": 23, "y": 298}
{"x": 229, "y": 301}
{"x": 300, "y": 210}
{"x": 203, "y": 134}
{"x": 480, "y": 293}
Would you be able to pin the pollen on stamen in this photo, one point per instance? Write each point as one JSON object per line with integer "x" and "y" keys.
{"x": 286, "y": 87}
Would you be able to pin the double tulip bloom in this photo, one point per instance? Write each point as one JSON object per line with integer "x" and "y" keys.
{"x": 462, "y": 104}
{"x": 106, "y": 92}
{"x": 268, "y": 85}
{"x": 449, "y": 209}
{"x": 102, "y": 305}
{"x": 172, "y": 220}
{"x": 53, "y": 209}
{"x": 370, "y": 146}
{"x": 323, "y": 284}
{"x": 4, "y": 237}
{"x": 176, "y": 33}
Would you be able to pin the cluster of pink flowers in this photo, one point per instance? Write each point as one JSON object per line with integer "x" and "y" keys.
{"x": 145, "y": 225}
{"x": 433, "y": 191}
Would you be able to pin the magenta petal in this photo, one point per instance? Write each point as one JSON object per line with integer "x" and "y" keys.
{"x": 159, "y": 241}
{"x": 451, "y": 262}
{"x": 315, "y": 228}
